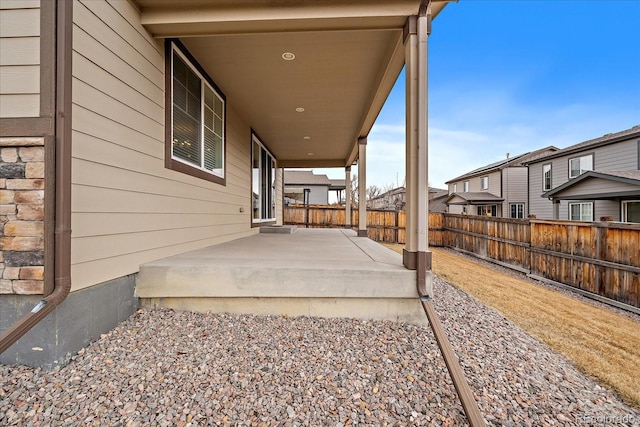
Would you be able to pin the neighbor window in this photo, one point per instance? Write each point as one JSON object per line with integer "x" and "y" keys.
{"x": 196, "y": 118}
{"x": 580, "y": 165}
{"x": 455, "y": 188}
{"x": 546, "y": 177}
{"x": 263, "y": 182}
{"x": 487, "y": 210}
{"x": 484, "y": 183}
{"x": 465, "y": 186}
{"x": 631, "y": 211}
{"x": 581, "y": 211}
{"x": 517, "y": 210}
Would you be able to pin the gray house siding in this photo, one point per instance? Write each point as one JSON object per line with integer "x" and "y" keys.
{"x": 617, "y": 156}
{"x": 610, "y": 208}
{"x": 602, "y": 208}
{"x": 597, "y": 186}
{"x": 514, "y": 189}
{"x": 620, "y": 156}
{"x": 318, "y": 194}
{"x": 494, "y": 183}
{"x": 538, "y": 206}
{"x": 475, "y": 186}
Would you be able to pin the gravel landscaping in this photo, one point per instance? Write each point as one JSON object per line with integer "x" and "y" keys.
{"x": 168, "y": 368}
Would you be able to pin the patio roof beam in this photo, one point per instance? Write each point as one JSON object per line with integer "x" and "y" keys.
{"x": 306, "y": 163}
{"x": 164, "y": 19}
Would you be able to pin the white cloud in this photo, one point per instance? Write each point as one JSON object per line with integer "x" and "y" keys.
{"x": 471, "y": 128}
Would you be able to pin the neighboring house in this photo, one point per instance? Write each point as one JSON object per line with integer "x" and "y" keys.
{"x": 392, "y": 200}
{"x": 589, "y": 181}
{"x": 132, "y": 131}
{"x": 305, "y": 187}
{"x": 395, "y": 199}
{"x": 498, "y": 189}
{"x": 437, "y": 199}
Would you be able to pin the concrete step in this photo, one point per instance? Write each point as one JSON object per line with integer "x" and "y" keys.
{"x": 327, "y": 274}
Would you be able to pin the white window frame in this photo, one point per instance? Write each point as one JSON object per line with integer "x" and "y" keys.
{"x": 465, "y": 187}
{"x": 484, "y": 183}
{"x": 547, "y": 168}
{"x": 519, "y": 213}
{"x": 583, "y": 165}
{"x": 257, "y": 185}
{"x": 178, "y": 163}
{"x": 582, "y": 215}
{"x": 455, "y": 188}
{"x": 624, "y": 209}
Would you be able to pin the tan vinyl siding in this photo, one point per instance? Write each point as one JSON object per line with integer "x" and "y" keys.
{"x": 20, "y": 79}
{"x": 20, "y": 59}
{"x": 19, "y": 4}
{"x": 127, "y": 208}
{"x": 19, "y": 51}
{"x": 19, "y": 21}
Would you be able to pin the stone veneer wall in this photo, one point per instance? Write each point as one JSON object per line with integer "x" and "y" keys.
{"x": 21, "y": 216}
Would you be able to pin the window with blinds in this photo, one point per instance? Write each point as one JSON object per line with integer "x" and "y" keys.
{"x": 197, "y": 118}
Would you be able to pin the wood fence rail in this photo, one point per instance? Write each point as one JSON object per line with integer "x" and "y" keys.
{"x": 601, "y": 258}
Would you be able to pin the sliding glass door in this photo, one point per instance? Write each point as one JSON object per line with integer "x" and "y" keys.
{"x": 263, "y": 182}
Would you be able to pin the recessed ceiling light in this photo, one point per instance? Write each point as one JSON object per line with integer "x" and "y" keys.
{"x": 309, "y": 154}
{"x": 307, "y": 137}
{"x": 288, "y": 56}
{"x": 300, "y": 110}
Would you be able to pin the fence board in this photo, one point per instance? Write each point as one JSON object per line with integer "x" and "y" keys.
{"x": 600, "y": 257}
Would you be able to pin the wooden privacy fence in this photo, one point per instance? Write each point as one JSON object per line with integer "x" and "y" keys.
{"x": 382, "y": 225}
{"x": 503, "y": 240}
{"x": 602, "y": 258}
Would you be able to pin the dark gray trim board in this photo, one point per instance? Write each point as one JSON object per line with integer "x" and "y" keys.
{"x": 76, "y": 322}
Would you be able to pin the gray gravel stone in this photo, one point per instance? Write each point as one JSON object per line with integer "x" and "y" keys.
{"x": 169, "y": 368}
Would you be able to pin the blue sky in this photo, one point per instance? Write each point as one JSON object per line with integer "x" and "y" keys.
{"x": 511, "y": 76}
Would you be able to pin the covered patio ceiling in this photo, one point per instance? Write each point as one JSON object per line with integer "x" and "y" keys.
{"x": 309, "y": 109}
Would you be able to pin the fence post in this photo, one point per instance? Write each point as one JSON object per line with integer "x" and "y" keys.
{"x": 306, "y": 216}
{"x": 397, "y": 232}
{"x": 598, "y": 257}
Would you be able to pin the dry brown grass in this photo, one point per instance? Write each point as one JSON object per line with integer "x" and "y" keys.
{"x": 603, "y": 344}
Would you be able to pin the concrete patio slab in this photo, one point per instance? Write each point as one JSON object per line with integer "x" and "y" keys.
{"x": 316, "y": 272}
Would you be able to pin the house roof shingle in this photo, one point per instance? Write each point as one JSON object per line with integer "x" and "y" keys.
{"x": 309, "y": 178}
{"x": 628, "y": 177}
{"x": 518, "y": 160}
{"x": 475, "y": 197}
{"x": 607, "y": 139}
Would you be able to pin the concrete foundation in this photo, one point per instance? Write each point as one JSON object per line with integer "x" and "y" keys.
{"x": 79, "y": 320}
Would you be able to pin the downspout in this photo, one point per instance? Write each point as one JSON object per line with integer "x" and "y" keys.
{"x": 469, "y": 404}
{"x": 62, "y": 245}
